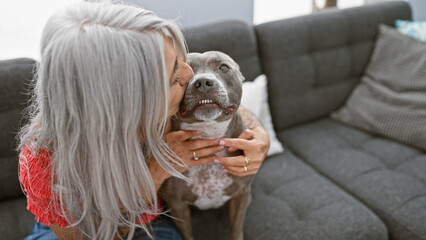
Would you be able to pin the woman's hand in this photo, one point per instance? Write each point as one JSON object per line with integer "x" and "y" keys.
{"x": 254, "y": 142}
{"x": 179, "y": 142}
{"x": 202, "y": 149}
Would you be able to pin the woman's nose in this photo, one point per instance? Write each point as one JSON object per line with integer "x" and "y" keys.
{"x": 187, "y": 73}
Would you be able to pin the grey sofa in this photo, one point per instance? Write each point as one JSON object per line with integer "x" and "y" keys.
{"x": 332, "y": 181}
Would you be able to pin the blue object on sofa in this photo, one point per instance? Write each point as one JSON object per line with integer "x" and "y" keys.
{"x": 416, "y": 30}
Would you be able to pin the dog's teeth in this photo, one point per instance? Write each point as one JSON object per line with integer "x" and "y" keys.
{"x": 205, "y": 101}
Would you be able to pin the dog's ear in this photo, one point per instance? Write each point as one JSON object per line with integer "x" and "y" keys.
{"x": 239, "y": 74}
{"x": 242, "y": 78}
{"x": 191, "y": 56}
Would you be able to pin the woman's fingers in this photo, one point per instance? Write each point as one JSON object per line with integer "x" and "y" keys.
{"x": 238, "y": 143}
{"x": 207, "y": 151}
{"x": 243, "y": 144}
{"x": 231, "y": 161}
{"x": 201, "y": 143}
{"x": 238, "y": 165}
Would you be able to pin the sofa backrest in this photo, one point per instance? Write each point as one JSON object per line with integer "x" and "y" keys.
{"x": 235, "y": 38}
{"x": 313, "y": 62}
{"x": 15, "y": 75}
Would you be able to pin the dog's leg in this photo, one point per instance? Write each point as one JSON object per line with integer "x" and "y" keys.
{"x": 177, "y": 198}
{"x": 182, "y": 219}
{"x": 237, "y": 211}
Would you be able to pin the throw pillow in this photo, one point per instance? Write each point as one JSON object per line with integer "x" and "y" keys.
{"x": 390, "y": 99}
{"x": 255, "y": 99}
{"x": 416, "y": 30}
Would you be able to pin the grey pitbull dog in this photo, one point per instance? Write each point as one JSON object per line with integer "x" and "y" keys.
{"x": 210, "y": 104}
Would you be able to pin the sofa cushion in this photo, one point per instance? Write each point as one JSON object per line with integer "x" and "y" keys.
{"x": 235, "y": 38}
{"x": 387, "y": 176}
{"x": 390, "y": 100}
{"x": 255, "y": 99}
{"x": 15, "y": 76}
{"x": 292, "y": 201}
{"x": 313, "y": 62}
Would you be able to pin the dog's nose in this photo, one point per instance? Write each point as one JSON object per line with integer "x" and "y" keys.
{"x": 203, "y": 84}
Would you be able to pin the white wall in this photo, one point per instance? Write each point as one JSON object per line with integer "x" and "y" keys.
{"x": 22, "y": 21}
{"x": 197, "y": 12}
{"x": 21, "y": 25}
{"x": 419, "y": 9}
{"x": 269, "y": 10}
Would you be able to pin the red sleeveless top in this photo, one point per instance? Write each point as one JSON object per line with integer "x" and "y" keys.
{"x": 35, "y": 176}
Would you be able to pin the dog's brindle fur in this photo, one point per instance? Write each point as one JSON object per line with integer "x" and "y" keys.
{"x": 211, "y": 186}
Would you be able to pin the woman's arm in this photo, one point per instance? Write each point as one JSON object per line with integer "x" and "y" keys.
{"x": 252, "y": 123}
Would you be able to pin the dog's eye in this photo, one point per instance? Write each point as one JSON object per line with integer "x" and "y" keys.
{"x": 224, "y": 68}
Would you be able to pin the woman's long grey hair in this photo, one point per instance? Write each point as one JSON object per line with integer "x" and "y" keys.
{"x": 100, "y": 105}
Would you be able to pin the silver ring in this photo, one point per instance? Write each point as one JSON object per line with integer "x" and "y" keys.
{"x": 195, "y": 156}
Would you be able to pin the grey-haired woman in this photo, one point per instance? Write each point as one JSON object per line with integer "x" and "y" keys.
{"x": 98, "y": 147}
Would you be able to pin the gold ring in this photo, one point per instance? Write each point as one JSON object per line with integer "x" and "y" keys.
{"x": 247, "y": 161}
{"x": 245, "y": 169}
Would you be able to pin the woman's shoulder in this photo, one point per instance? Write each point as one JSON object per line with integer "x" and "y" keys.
{"x": 35, "y": 175}
{"x": 35, "y": 168}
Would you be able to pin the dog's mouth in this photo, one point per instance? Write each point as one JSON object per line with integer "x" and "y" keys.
{"x": 206, "y": 105}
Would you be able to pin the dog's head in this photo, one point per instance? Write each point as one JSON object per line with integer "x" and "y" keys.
{"x": 214, "y": 93}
